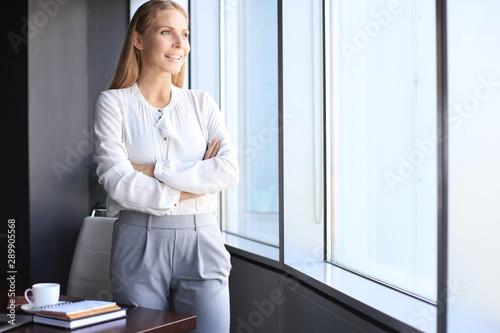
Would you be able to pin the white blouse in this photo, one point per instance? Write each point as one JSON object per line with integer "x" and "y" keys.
{"x": 127, "y": 129}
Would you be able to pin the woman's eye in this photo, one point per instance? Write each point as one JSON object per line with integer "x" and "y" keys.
{"x": 166, "y": 32}
{"x": 185, "y": 35}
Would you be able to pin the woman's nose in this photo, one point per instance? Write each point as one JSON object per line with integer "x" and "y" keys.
{"x": 177, "y": 42}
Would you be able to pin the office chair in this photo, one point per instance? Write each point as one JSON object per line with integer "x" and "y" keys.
{"x": 89, "y": 273}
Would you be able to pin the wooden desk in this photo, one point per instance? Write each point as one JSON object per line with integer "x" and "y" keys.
{"x": 137, "y": 320}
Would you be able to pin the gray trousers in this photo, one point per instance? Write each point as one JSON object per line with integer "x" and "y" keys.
{"x": 173, "y": 262}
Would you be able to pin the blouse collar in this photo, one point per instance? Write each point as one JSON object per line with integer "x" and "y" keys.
{"x": 173, "y": 99}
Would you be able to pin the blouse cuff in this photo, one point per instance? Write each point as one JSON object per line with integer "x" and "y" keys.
{"x": 157, "y": 174}
{"x": 158, "y": 170}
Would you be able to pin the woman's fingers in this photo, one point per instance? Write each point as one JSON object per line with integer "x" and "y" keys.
{"x": 216, "y": 149}
{"x": 212, "y": 149}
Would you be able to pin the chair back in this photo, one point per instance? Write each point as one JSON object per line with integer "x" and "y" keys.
{"x": 89, "y": 273}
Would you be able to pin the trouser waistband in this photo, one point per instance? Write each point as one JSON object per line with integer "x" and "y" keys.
{"x": 192, "y": 221}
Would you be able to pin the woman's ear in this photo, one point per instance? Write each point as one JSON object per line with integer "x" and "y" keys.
{"x": 137, "y": 41}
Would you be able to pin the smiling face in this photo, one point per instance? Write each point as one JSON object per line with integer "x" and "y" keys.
{"x": 164, "y": 46}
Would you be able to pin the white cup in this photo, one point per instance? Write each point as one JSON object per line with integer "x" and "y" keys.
{"x": 43, "y": 294}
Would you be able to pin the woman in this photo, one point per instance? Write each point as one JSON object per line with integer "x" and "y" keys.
{"x": 162, "y": 155}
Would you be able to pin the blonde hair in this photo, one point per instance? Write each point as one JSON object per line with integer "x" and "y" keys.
{"x": 129, "y": 63}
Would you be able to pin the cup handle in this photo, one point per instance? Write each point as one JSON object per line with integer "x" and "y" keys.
{"x": 27, "y": 298}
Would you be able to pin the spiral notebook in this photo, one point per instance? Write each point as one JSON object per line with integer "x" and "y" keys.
{"x": 78, "y": 314}
{"x": 72, "y": 310}
{"x": 77, "y": 323}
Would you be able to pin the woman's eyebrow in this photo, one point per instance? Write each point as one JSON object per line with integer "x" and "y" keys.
{"x": 170, "y": 27}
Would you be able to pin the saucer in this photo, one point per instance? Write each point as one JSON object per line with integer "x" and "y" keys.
{"x": 29, "y": 308}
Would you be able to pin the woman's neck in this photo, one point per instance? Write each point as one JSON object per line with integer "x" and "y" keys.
{"x": 156, "y": 90}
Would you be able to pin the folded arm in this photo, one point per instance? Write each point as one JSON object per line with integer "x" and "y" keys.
{"x": 149, "y": 169}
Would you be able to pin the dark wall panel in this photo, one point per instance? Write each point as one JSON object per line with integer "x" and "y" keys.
{"x": 256, "y": 298}
{"x": 267, "y": 300}
{"x": 74, "y": 42}
{"x": 107, "y": 25}
{"x": 305, "y": 311}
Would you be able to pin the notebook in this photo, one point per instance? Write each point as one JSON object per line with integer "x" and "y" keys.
{"x": 77, "y": 323}
{"x": 75, "y": 310}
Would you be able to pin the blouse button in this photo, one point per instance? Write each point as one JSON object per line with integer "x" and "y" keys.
{"x": 165, "y": 138}
{"x": 159, "y": 110}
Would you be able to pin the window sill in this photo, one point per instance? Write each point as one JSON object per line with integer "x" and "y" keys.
{"x": 371, "y": 298}
{"x": 339, "y": 283}
{"x": 260, "y": 252}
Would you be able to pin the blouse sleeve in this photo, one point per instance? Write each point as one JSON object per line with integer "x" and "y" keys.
{"x": 129, "y": 188}
{"x": 205, "y": 176}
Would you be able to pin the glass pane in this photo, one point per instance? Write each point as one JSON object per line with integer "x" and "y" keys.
{"x": 250, "y": 102}
{"x": 384, "y": 139}
{"x": 473, "y": 293}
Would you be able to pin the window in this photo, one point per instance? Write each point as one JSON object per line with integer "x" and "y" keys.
{"x": 350, "y": 191}
{"x": 249, "y": 100}
{"x": 383, "y": 141}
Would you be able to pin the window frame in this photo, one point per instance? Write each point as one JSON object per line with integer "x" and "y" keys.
{"x": 320, "y": 276}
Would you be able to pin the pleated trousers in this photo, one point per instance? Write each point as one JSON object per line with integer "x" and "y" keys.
{"x": 173, "y": 262}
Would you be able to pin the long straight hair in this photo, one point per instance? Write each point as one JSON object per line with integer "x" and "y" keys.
{"x": 129, "y": 64}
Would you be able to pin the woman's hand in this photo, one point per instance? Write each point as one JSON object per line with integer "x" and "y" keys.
{"x": 147, "y": 169}
{"x": 187, "y": 195}
{"x": 212, "y": 150}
